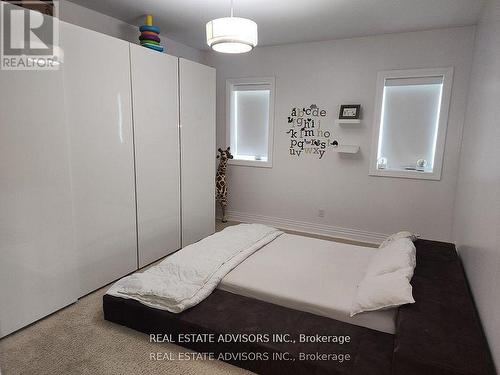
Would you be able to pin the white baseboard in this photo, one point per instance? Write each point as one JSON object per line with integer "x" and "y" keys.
{"x": 306, "y": 227}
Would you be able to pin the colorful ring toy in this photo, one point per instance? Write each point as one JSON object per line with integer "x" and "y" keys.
{"x": 150, "y": 37}
{"x": 154, "y": 47}
{"x": 149, "y": 33}
{"x": 154, "y": 29}
{"x": 150, "y": 42}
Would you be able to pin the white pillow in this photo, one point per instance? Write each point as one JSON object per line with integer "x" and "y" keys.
{"x": 382, "y": 292}
{"x": 396, "y": 236}
{"x": 397, "y": 255}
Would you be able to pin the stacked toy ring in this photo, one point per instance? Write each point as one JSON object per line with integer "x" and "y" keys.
{"x": 149, "y": 37}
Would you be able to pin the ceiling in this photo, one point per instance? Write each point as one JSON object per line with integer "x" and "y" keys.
{"x": 292, "y": 21}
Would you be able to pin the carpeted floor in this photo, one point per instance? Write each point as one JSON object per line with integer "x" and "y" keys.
{"x": 77, "y": 340}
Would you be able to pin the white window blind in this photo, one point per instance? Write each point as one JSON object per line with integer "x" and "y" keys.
{"x": 250, "y": 121}
{"x": 410, "y": 124}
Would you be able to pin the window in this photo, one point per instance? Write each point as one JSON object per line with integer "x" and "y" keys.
{"x": 249, "y": 125}
{"x": 410, "y": 123}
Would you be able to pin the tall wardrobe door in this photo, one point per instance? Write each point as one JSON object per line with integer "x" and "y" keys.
{"x": 36, "y": 228}
{"x": 97, "y": 81}
{"x": 197, "y": 118}
{"x": 156, "y": 134}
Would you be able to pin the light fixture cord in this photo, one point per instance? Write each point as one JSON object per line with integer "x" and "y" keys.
{"x": 232, "y": 8}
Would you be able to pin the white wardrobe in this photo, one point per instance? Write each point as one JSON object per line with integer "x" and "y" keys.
{"x": 98, "y": 96}
{"x": 36, "y": 230}
{"x": 109, "y": 168}
{"x": 155, "y": 91}
{"x": 197, "y": 116}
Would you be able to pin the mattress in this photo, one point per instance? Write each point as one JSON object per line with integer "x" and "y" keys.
{"x": 309, "y": 275}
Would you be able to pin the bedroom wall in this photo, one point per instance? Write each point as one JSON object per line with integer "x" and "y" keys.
{"x": 328, "y": 74}
{"x": 90, "y": 19}
{"x": 477, "y": 216}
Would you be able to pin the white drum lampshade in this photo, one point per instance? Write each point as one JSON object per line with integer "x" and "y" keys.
{"x": 232, "y": 34}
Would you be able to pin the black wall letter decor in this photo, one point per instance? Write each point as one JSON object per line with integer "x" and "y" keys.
{"x": 306, "y": 135}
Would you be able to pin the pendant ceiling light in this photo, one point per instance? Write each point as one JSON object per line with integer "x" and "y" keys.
{"x": 232, "y": 34}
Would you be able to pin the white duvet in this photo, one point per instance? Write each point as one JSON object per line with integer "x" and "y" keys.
{"x": 187, "y": 277}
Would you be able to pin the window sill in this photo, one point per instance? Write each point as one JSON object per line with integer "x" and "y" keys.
{"x": 251, "y": 163}
{"x": 412, "y": 174}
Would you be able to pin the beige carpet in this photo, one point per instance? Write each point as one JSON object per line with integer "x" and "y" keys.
{"x": 77, "y": 340}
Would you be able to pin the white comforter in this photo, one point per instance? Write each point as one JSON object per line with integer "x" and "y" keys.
{"x": 187, "y": 277}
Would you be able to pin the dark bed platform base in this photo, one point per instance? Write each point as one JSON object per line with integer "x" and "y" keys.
{"x": 439, "y": 334}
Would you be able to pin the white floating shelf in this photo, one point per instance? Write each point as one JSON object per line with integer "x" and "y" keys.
{"x": 347, "y": 122}
{"x": 347, "y": 149}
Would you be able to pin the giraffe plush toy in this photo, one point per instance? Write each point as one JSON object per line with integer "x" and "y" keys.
{"x": 220, "y": 181}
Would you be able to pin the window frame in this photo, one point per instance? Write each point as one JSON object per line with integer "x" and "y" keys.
{"x": 257, "y": 81}
{"x": 447, "y": 74}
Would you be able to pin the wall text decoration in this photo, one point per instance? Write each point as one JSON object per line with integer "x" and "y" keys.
{"x": 307, "y": 137}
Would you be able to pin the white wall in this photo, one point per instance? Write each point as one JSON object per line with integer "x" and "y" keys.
{"x": 90, "y": 19}
{"x": 343, "y": 72}
{"x": 477, "y": 216}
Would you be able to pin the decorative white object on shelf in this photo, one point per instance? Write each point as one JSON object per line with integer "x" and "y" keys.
{"x": 232, "y": 34}
{"x": 382, "y": 163}
{"x": 347, "y": 121}
{"x": 421, "y": 164}
{"x": 347, "y": 149}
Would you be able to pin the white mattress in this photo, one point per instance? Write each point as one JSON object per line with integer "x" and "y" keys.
{"x": 311, "y": 275}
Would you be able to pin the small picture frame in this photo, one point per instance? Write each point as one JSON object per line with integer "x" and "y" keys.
{"x": 350, "y": 111}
